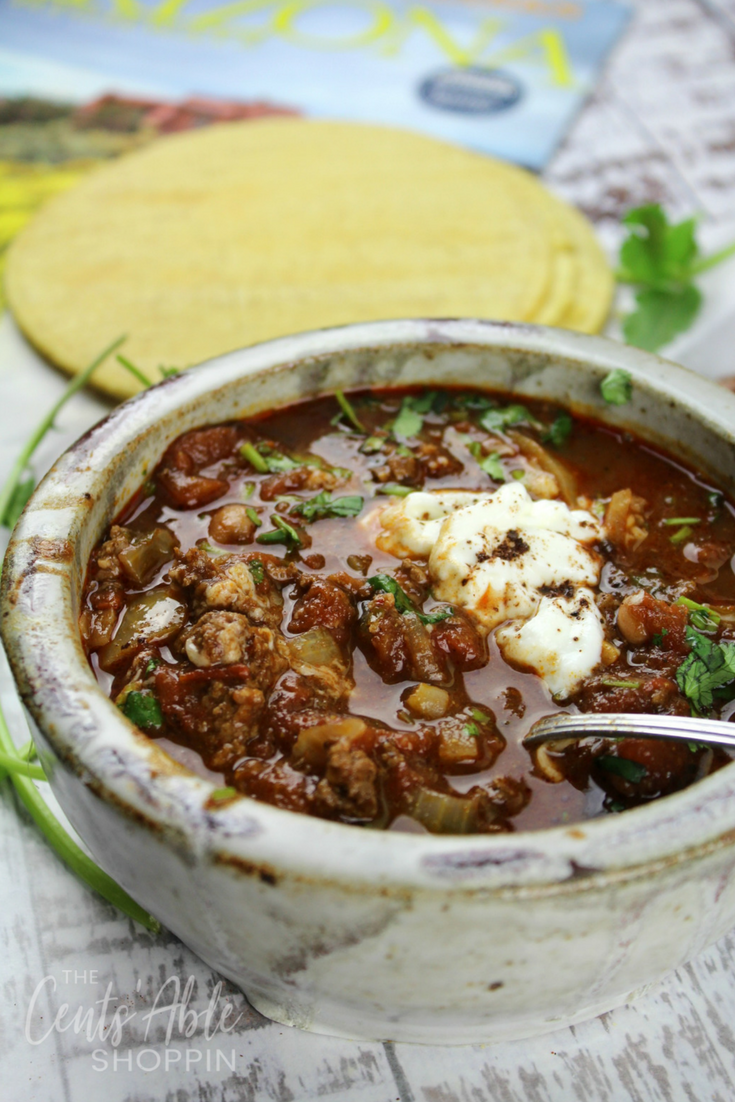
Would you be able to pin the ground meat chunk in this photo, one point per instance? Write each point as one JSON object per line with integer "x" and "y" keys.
{"x": 349, "y": 788}
{"x": 301, "y": 478}
{"x": 654, "y": 694}
{"x": 231, "y": 583}
{"x": 399, "y": 468}
{"x": 108, "y": 565}
{"x": 232, "y": 524}
{"x": 436, "y": 461}
{"x": 459, "y": 640}
{"x": 182, "y": 462}
{"x": 224, "y": 638}
{"x": 326, "y": 604}
{"x": 641, "y": 617}
{"x": 216, "y": 710}
{"x": 397, "y": 645}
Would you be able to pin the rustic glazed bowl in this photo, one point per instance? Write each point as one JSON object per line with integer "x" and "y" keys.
{"x": 329, "y": 927}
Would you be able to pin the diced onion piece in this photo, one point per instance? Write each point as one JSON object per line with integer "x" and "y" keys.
{"x": 443, "y": 813}
{"x": 147, "y": 555}
{"x": 153, "y": 617}
{"x": 428, "y": 701}
{"x": 531, "y": 449}
{"x": 311, "y": 746}
{"x": 316, "y": 647}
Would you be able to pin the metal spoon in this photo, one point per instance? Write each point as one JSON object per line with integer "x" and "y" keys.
{"x": 616, "y": 725}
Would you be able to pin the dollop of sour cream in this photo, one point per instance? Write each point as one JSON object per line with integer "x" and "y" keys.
{"x": 523, "y": 566}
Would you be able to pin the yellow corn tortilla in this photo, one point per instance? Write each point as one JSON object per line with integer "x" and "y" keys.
{"x": 218, "y": 238}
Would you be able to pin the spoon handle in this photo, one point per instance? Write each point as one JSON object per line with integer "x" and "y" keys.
{"x": 714, "y": 732}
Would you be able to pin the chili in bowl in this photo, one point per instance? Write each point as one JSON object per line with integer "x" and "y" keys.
{"x": 325, "y": 586}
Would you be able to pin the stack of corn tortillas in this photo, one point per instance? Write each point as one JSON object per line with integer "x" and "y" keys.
{"x": 215, "y": 239}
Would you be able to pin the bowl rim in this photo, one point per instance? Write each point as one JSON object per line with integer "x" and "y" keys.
{"x": 89, "y": 736}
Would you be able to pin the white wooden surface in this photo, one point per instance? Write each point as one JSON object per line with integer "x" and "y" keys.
{"x": 662, "y": 128}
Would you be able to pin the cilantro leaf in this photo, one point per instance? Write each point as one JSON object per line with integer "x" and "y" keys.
{"x": 660, "y": 315}
{"x": 629, "y": 770}
{"x": 385, "y": 584}
{"x": 496, "y": 420}
{"x": 617, "y": 387}
{"x": 656, "y": 252}
{"x": 709, "y": 666}
{"x": 558, "y": 433}
{"x": 324, "y": 505}
{"x": 143, "y": 710}
{"x": 490, "y": 464}
{"x": 409, "y": 421}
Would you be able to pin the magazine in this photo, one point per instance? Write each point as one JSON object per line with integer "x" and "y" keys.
{"x": 504, "y": 77}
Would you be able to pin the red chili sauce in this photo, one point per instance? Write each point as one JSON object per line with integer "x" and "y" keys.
{"x": 240, "y": 613}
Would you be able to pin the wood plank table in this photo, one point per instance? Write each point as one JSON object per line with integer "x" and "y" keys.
{"x": 76, "y": 977}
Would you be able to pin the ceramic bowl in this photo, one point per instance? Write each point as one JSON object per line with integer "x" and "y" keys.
{"x": 329, "y": 927}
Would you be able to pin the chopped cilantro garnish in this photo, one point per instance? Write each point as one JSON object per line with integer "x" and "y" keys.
{"x": 324, "y": 505}
{"x": 253, "y": 516}
{"x": 681, "y": 534}
{"x": 395, "y": 489}
{"x": 617, "y": 387}
{"x": 385, "y": 584}
{"x": 629, "y": 770}
{"x": 558, "y": 433}
{"x": 143, "y": 710}
{"x": 716, "y": 499}
{"x": 255, "y": 459}
{"x": 472, "y": 729}
{"x": 255, "y": 567}
{"x": 151, "y": 665}
{"x": 222, "y": 795}
{"x": 473, "y": 401}
{"x": 658, "y": 637}
{"x": 282, "y": 533}
{"x": 701, "y": 616}
{"x": 248, "y": 489}
{"x": 710, "y": 666}
{"x": 408, "y": 423}
{"x": 266, "y": 459}
{"x": 372, "y": 444}
{"x": 348, "y": 411}
{"x": 496, "y": 420}
{"x": 490, "y": 464}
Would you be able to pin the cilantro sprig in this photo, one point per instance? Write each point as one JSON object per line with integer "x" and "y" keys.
{"x": 662, "y": 260}
{"x": 709, "y": 667}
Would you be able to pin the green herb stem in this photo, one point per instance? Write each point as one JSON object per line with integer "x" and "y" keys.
{"x": 21, "y": 463}
{"x": 255, "y": 459}
{"x": 135, "y": 371}
{"x": 10, "y": 763}
{"x": 712, "y": 261}
{"x": 67, "y": 849}
{"x": 348, "y": 410}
